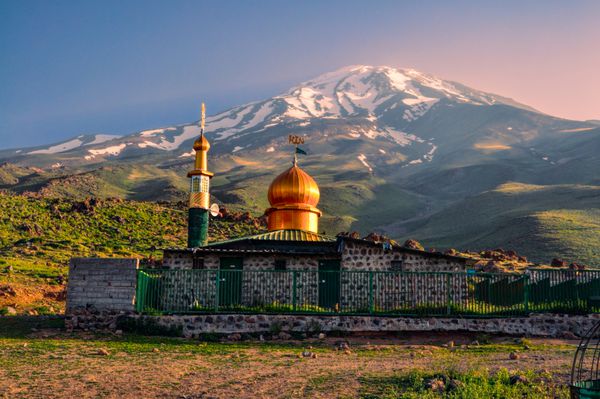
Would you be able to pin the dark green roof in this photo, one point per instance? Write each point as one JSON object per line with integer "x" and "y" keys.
{"x": 282, "y": 235}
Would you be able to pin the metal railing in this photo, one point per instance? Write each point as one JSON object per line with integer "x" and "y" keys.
{"x": 367, "y": 292}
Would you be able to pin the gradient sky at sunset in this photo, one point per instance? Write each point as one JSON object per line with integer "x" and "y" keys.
{"x": 73, "y": 67}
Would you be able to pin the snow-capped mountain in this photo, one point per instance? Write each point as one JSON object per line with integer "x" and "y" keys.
{"x": 380, "y": 102}
{"x": 393, "y": 150}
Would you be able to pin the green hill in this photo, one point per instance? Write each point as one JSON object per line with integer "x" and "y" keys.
{"x": 541, "y": 222}
{"x": 39, "y": 235}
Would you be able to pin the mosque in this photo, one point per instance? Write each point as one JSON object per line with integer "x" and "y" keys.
{"x": 292, "y": 241}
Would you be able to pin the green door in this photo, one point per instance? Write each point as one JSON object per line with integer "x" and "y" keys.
{"x": 329, "y": 284}
{"x": 230, "y": 284}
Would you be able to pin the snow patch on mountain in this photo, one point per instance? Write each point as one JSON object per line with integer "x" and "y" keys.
{"x": 112, "y": 150}
{"x": 154, "y": 132}
{"x": 363, "y": 159}
{"x": 401, "y": 138}
{"x": 189, "y": 132}
{"x": 62, "y": 147}
{"x": 102, "y": 138}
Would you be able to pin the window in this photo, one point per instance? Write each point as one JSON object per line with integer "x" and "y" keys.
{"x": 279, "y": 264}
{"x": 204, "y": 186}
{"x": 196, "y": 184}
{"x": 198, "y": 263}
{"x": 397, "y": 266}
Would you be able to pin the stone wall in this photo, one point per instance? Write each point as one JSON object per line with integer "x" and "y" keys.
{"x": 359, "y": 256}
{"x": 541, "y": 325}
{"x": 260, "y": 285}
{"x": 102, "y": 283}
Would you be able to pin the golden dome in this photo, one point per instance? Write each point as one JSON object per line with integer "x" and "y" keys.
{"x": 294, "y": 186}
{"x": 201, "y": 144}
{"x": 293, "y": 196}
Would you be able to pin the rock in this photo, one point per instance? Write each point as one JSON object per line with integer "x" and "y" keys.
{"x": 435, "y": 384}
{"x": 119, "y": 332}
{"x": 518, "y": 379}
{"x": 102, "y": 352}
{"x": 261, "y": 338}
{"x": 558, "y": 263}
{"x": 342, "y": 345}
{"x": 514, "y": 356}
{"x": 453, "y": 385}
{"x": 7, "y": 290}
{"x": 413, "y": 244}
{"x": 451, "y": 344}
{"x": 568, "y": 335}
{"x": 155, "y": 350}
{"x": 10, "y": 311}
{"x": 234, "y": 337}
{"x": 309, "y": 354}
{"x": 321, "y": 336}
{"x": 475, "y": 343}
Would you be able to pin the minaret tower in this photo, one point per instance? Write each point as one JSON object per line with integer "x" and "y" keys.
{"x": 199, "y": 191}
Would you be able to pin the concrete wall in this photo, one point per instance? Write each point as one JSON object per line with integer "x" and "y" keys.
{"x": 102, "y": 283}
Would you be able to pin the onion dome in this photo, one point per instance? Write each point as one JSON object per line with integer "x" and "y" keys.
{"x": 201, "y": 144}
{"x": 294, "y": 186}
{"x": 293, "y": 196}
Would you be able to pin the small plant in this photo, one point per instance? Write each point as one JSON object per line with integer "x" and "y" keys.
{"x": 313, "y": 328}
{"x": 275, "y": 328}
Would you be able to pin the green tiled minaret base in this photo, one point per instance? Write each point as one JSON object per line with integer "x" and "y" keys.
{"x": 197, "y": 227}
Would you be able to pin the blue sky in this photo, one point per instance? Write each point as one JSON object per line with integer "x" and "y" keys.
{"x": 73, "y": 67}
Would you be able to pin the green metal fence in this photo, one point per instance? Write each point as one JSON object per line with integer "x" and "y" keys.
{"x": 367, "y": 292}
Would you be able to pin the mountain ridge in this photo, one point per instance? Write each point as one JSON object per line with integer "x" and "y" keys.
{"x": 391, "y": 149}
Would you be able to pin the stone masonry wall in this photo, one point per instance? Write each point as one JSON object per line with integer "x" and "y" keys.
{"x": 102, "y": 283}
{"x": 400, "y": 291}
{"x": 391, "y": 291}
{"x": 542, "y": 325}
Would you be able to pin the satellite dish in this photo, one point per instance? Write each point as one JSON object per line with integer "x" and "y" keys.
{"x": 214, "y": 210}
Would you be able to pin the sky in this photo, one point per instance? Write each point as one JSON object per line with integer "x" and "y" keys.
{"x": 116, "y": 67}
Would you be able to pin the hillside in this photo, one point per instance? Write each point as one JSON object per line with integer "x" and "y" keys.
{"x": 393, "y": 150}
{"x": 544, "y": 222}
{"x": 38, "y": 236}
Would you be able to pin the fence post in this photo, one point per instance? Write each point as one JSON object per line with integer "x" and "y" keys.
{"x": 217, "y": 283}
{"x": 526, "y": 293}
{"x": 449, "y": 295}
{"x": 294, "y": 290}
{"x": 371, "y": 301}
{"x": 138, "y": 295}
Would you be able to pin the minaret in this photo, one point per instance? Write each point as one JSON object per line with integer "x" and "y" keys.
{"x": 199, "y": 191}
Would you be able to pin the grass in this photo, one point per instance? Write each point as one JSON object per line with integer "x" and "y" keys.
{"x": 541, "y": 222}
{"x": 38, "y": 236}
{"x": 462, "y": 385}
{"x": 37, "y": 355}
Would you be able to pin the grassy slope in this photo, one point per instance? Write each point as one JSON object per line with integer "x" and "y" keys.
{"x": 539, "y": 221}
{"x": 38, "y": 236}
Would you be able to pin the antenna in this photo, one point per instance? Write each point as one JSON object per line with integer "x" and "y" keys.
{"x": 202, "y": 118}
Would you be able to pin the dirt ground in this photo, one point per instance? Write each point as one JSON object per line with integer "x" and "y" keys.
{"x": 49, "y": 363}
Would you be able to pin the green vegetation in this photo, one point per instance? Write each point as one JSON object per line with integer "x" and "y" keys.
{"x": 38, "y": 236}
{"x": 37, "y": 353}
{"x": 478, "y": 384}
{"x": 541, "y": 222}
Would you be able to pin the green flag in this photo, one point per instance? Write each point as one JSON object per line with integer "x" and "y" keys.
{"x": 300, "y": 151}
